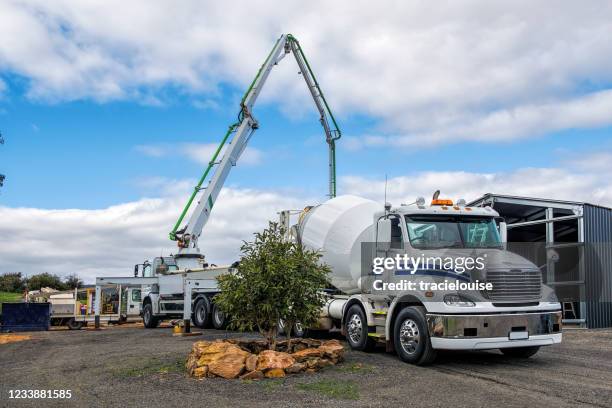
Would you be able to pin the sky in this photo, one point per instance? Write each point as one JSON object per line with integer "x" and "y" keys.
{"x": 110, "y": 112}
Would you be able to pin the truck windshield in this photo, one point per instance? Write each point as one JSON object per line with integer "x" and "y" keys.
{"x": 429, "y": 232}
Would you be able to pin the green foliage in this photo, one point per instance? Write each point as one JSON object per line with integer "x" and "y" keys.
{"x": 8, "y": 297}
{"x": 275, "y": 279}
{"x": 45, "y": 280}
{"x": 73, "y": 281}
{"x": 12, "y": 282}
{"x": 338, "y": 389}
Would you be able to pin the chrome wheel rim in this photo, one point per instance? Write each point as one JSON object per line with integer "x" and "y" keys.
{"x": 409, "y": 336}
{"x": 201, "y": 315}
{"x": 218, "y": 316}
{"x": 147, "y": 315}
{"x": 281, "y": 326}
{"x": 354, "y": 328}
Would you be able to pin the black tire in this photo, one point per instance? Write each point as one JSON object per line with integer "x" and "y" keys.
{"x": 149, "y": 321}
{"x": 281, "y": 329}
{"x": 201, "y": 313}
{"x": 356, "y": 328}
{"x": 219, "y": 320}
{"x": 299, "y": 330}
{"x": 520, "y": 352}
{"x": 411, "y": 337}
{"x": 74, "y": 325}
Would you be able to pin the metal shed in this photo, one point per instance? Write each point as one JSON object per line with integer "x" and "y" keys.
{"x": 572, "y": 243}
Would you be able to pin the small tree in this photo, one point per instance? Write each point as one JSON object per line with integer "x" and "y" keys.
{"x": 45, "y": 280}
{"x": 275, "y": 279}
{"x": 73, "y": 281}
{"x": 11, "y": 282}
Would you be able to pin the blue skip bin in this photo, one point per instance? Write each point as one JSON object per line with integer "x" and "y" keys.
{"x": 25, "y": 317}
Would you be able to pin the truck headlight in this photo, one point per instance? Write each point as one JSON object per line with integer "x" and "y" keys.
{"x": 458, "y": 300}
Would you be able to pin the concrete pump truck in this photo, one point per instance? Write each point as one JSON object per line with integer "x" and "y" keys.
{"x": 168, "y": 280}
{"x": 513, "y": 312}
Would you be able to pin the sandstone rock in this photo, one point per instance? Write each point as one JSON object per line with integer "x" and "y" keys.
{"x": 192, "y": 363}
{"x": 200, "y": 372}
{"x": 275, "y": 373}
{"x": 332, "y": 349}
{"x": 269, "y": 359}
{"x": 317, "y": 363}
{"x": 252, "y": 375}
{"x": 251, "y": 362}
{"x": 229, "y": 365}
{"x": 295, "y": 368}
{"x": 199, "y": 345}
{"x": 306, "y": 354}
{"x": 216, "y": 350}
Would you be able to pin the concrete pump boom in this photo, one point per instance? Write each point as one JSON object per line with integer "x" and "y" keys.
{"x": 242, "y": 131}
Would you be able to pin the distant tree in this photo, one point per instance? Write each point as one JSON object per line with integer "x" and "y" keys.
{"x": 276, "y": 279}
{"x": 73, "y": 281}
{"x": 45, "y": 280}
{"x": 12, "y": 282}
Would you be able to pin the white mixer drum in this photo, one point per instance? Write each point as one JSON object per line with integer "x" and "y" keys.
{"x": 337, "y": 228}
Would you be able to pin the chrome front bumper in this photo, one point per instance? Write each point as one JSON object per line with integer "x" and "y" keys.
{"x": 480, "y": 332}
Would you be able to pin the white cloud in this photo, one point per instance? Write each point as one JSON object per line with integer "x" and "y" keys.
{"x": 464, "y": 70}
{"x": 108, "y": 241}
{"x": 200, "y": 153}
{"x": 572, "y": 182}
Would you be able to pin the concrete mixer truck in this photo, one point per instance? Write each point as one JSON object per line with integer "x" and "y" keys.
{"x": 496, "y": 301}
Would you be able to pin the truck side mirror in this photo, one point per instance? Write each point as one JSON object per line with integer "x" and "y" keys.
{"x": 136, "y": 270}
{"x": 383, "y": 235}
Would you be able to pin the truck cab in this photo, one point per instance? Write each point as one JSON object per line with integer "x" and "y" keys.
{"x": 514, "y": 312}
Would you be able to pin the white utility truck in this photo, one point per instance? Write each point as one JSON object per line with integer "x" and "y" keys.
{"x": 75, "y": 309}
{"x": 184, "y": 284}
{"x": 517, "y": 314}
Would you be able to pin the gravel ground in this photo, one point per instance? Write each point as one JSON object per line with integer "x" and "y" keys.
{"x": 133, "y": 367}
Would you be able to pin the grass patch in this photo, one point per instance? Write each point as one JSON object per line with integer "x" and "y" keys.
{"x": 9, "y": 297}
{"x": 150, "y": 367}
{"x": 271, "y": 384}
{"x": 337, "y": 389}
{"x": 355, "y": 368}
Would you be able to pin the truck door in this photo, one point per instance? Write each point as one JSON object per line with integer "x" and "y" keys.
{"x": 134, "y": 298}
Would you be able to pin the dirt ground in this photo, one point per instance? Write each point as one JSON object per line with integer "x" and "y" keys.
{"x": 134, "y": 367}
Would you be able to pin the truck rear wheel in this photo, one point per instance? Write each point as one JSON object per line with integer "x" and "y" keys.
{"x": 201, "y": 313}
{"x": 149, "y": 321}
{"x": 74, "y": 325}
{"x": 356, "y": 327}
{"x": 219, "y": 320}
{"x": 411, "y": 337}
{"x": 520, "y": 352}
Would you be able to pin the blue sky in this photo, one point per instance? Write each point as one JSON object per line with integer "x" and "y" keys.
{"x": 107, "y": 130}
{"x": 84, "y": 154}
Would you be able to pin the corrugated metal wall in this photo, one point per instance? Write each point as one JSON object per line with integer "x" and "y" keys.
{"x": 598, "y": 265}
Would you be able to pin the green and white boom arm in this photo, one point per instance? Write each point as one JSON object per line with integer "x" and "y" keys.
{"x": 242, "y": 131}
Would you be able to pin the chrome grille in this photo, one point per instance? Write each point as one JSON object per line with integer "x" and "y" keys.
{"x": 514, "y": 284}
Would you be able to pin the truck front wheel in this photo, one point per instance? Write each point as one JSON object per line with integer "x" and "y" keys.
{"x": 520, "y": 352}
{"x": 356, "y": 327}
{"x": 150, "y": 321}
{"x": 411, "y": 338}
